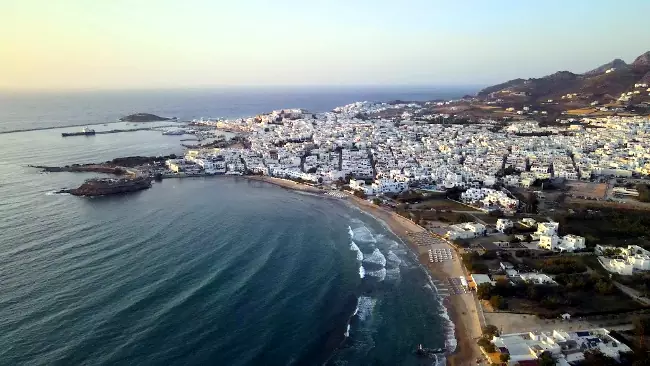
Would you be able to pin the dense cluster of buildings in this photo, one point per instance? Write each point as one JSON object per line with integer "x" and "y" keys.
{"x": 357, "y": 141}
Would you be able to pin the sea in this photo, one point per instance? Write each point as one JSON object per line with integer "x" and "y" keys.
{"x": 196, "y": 271}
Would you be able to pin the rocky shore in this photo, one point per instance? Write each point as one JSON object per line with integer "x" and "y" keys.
{"x": 109, "y": 186}
{"x": 134, "y": 173}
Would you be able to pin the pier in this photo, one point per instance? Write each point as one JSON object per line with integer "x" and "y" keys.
{"x": 124, "y": 130}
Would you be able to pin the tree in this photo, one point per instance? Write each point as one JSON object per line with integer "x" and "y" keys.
{"x": 513, "y": 239}
{"x": 545, "y": 359}
{"x": 498, "y": 302}
{"x": 504, "y": 357}
{"x": 490, "y": 331}
{"x": 486, "y": 345}
{"x": 644, "y": 192}
{"x": 360, "y": 194}
{"x": 596, "y": 358}
{"x": 484, "y": 291}
{"x": 376, "y": 201}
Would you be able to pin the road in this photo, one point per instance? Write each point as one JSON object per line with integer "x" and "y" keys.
{"x": 636, "y": 295}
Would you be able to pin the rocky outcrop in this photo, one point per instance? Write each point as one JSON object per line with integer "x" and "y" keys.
{"x": 144, "y": 117}
{"x": 642, "y": 61}
{"x": 108, "y": 186}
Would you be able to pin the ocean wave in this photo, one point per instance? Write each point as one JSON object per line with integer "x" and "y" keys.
{"x": 362, "y": 271}
{"x": 363, "y": 234}
{"x": 393, "y": 273}
{"x": 365, "y": 307}
{"x": 347, "y": 331}
{"x": 393, "y": 258}
{"x": 355, "y": 247}
{"x": 56, "y": 193}
{"x": 450, "y": 328}
{"x": 376, "y": 257}
{"x": 379, "y": 274}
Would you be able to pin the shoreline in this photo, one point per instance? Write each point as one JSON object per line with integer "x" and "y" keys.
{"x": 466, "y": 328}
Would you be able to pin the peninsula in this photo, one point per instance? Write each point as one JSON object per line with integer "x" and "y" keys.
{"x": 109, "y": 186}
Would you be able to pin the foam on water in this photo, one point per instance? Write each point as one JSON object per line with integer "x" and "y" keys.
{"x": 355, "y": 247}
{"x": 450, "y": 327}
{"x": 393, "y": 273}
{"x": 365, "y": 307}
{"x": 52, "y": 193}
{"x": 393, "y": 258}
{"x": 379, "y": 274}
{"x": 347, "y": 331}
{"x": 363, "y": 234}
{"x": 362, "y": 271}
{"x": 376, "y": 257}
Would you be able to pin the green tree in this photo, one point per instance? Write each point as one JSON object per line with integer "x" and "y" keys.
{"x": 376, "y": 201}
{"x": 596, "y": 358}
{"x": 490, "y": 331}
{"x": 498, "y": 302}
{"x": 504, "y": 357}
{"x": 486, "y": 345}
{"x": 545, "y": 359}
{"x": 360, "y": 194}
{"x": 484, "y": 291}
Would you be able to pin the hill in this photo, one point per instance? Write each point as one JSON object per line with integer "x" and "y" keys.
{"x": 605, "y": 83}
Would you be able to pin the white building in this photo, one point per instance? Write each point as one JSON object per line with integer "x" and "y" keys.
{"x": 626, "y": 260}
{"x": 547, "y": 228}
{"x": 565, "y": 347}
{"x": 504, "y": 224}
{"x": 567, "y": 243}
{"x": 548, "y": 242}
{"x": 571, "y": 243}
{"x": 465, "y": 230}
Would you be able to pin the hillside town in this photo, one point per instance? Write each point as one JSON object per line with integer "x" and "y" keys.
{"x": 378, "y": 155}
{"x": 394, "y": 155}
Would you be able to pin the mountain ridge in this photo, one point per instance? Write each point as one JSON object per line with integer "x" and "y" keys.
{"x": 605, "y": 82}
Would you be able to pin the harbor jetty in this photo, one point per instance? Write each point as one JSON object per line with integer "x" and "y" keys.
{"x": 93, "y": 133}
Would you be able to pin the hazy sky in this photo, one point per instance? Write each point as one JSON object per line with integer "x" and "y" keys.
{"x": 50, "y": 44}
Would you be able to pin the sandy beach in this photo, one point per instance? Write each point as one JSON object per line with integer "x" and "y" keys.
{"x": 285, "y": 183}
{"x": 462, "y": 308}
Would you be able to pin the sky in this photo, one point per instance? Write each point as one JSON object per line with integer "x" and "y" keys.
{"x": 123, "y": 44}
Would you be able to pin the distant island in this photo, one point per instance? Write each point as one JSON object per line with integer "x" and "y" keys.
{"x": 145, "y": 117}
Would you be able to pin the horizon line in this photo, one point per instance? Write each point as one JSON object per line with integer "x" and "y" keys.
{"x": 475, "y": 87}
